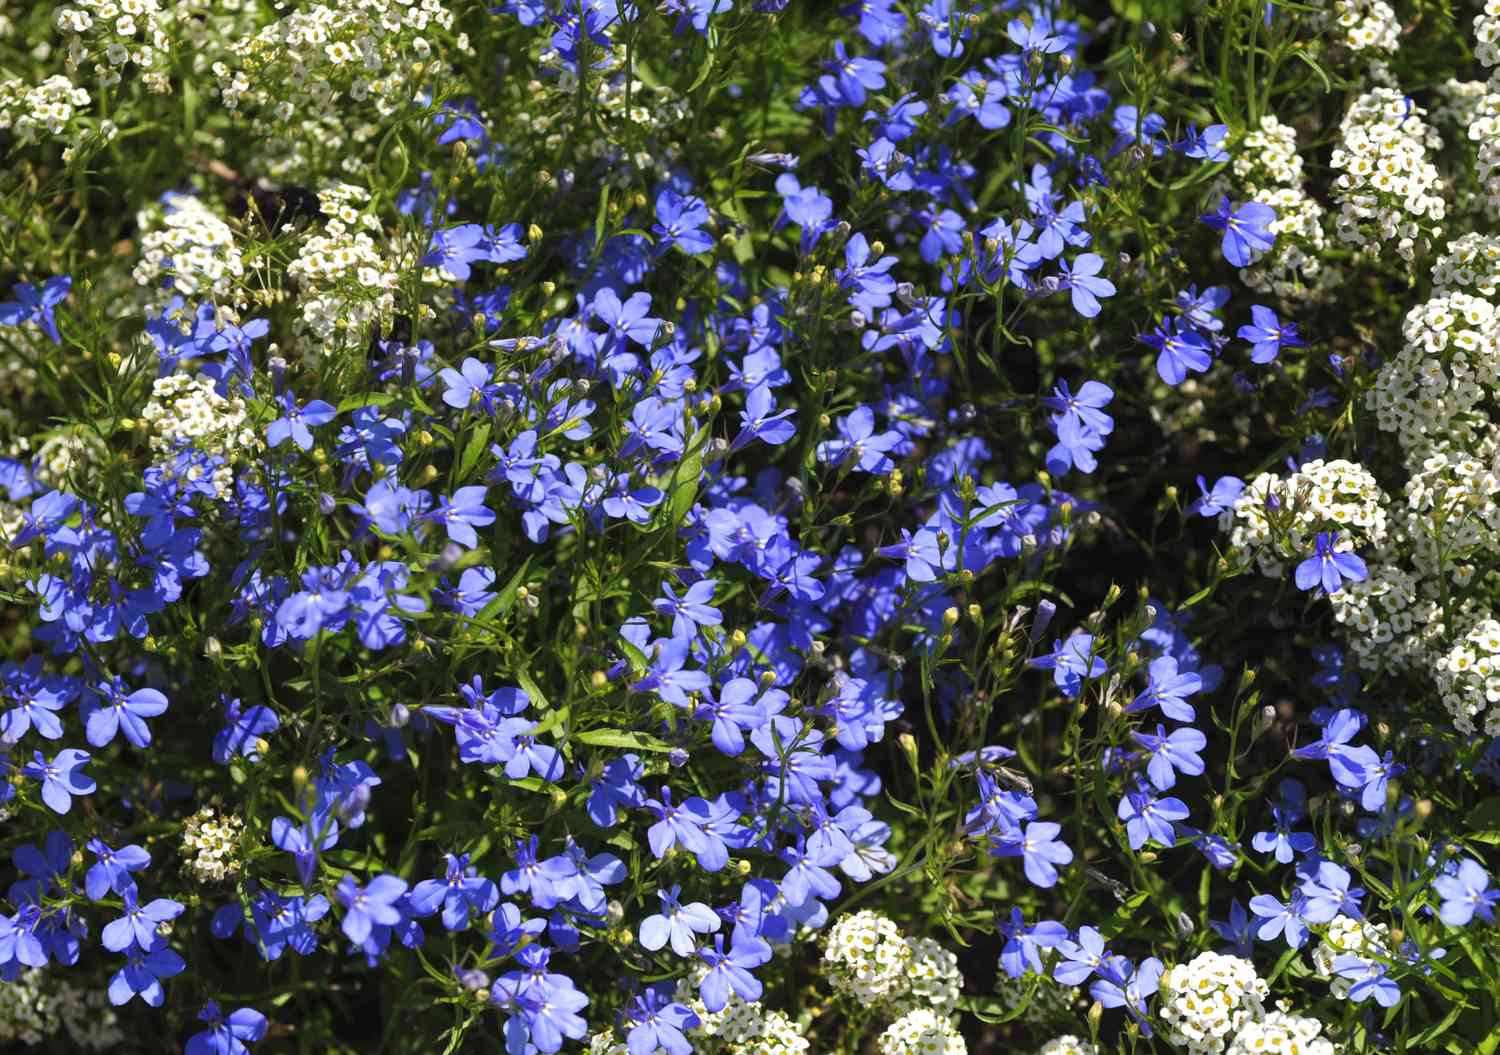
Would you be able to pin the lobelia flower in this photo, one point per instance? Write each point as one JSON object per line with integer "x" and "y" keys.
{"x": 680, "y": 220}
{"x": 730, "y": 972}
{"x": 690, "y": 611}
{"x": 296, "y": 423}
{"x": 1466, "y": 893}
{"x": 1326, "y": 893}
{"x": 144, "y": 968}
{"x": 1023, "y": 944}
{"x": 61, "y": 778}
{"x": 677, "y": 923}
{"x": 860, "y": 446}
{"x": 139, "y": 924}
{"x": 760, "y": 420}
{"x": 1369, "y": 980}
{"x": 1038, "y": 847}
{"x": 1328, "y": 567}
{"x": 1278, "y": 919}
{"x": 1268, "y": 335}
{"x": 458, "y": 892}
{"x": 1083, "y": 281}
{"x": 657, "y": 1024}
{"x": 1348, "y": 763}
{"x": 365, "y": 907}
{"x": 1207, "y": 145}
{"x": 111, "y": 872}
{"x": 1148, "y": 818}
{"x": 1236, "y": 930}
{"x": 243, "y": 731}
{"x": 1219, "y": 499}
{"x": 1180, "y": 350}
{"x": 108, "y": 710}
{"x": 1120, "y": 985}
{"x": 1168, "y": 689}
{"x": 472, "y": 385}
{"x": 1172, "y": 753}
{"x": 1082, "y": 958}
{"x": 461, "y": 513}
{"x": 36, "y": 305}
{"x": 226, "y": 1034}
{"x": 1245, "y": 230}
{"x": 1071, "y": 662}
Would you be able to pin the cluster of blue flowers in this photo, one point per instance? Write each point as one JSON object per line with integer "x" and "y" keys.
{"x": 574, "y": 643}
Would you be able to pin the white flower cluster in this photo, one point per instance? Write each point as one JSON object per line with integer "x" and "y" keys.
{"x": 1282, "y": 1033}
{"x": 1204, "y": 1001}
{"x": 1367, "y": 26}
{"x": 1067, "y": 1044}
{"x": 647, "y": 120}
{"x": 1449, "y": 359}
{"x": 1388, "y": 189}
{"x": 739, "y": 1028}
{"x": 36, "y": 1005}
{"x": 316, "y": 58}
{"x": 1277, "y": 519}
{"x": 1268, "y": 168}
{"x": 932, "y": 978}
{"x": 921, "y": 1032}
{"x": 111, "y": 34}
{"x": 210, "y": 845}
{"x": 1346, "y": 934}
{"x": 32, "y": 112}
{"x": 346, "y": 283}
{"x": 186, "y": 244}
{"x": 866, "y": 957}
{"x": 1468, "y": 679}
{"x": 184, "y": 409}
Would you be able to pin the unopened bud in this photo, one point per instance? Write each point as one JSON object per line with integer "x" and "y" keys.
{"x": 599, "y": 681}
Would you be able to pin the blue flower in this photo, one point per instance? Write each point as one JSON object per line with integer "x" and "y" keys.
{"x": 461, "y": 513}
{"x": 145, "y": 966}
{"x": 680, "y": 220}
{"x": 1082, "y": 279}
{"x": 1171, "y": 754}
{"x": 677, "y": 923}
{"x": 36, "y": 305}
{"x": 1207, "y": 145}
{"x": 1038, "y": 847}
{"x": 1245, "y": 230}
{"x": 1180, "y": 349}
{"x": 1278, "y": 919}
{"x": 657, "y": 1023}
{"x": 1082, "y": 958}
{"x": 730, "y": 972}
{"x": 226, "y": 1035}
{"x": 296, "y": 423}
{"x": 1368, "y": 979}
{"x": 368, "y": 906}
{"x": 1268, "y": 335}
{"x": 1148, "y": 818}
{"x": 458, "y": 892}
{"x": 139, "y": 923}
{"x": 1218, "y": 499}
{"x": 61, "y": 778}
{"x": 1466, "y": 893}
{"x": 1071, "y": 662}
{"x": 111, "y": 872}
{"x": 243, "y": 731}
{"x": 1023, "y": 946}
{"x": 1121, "y": 985}
{"x": 1328, "y": 567}
{"x": 690, "y": 611}
{"x": 108, "y": 710}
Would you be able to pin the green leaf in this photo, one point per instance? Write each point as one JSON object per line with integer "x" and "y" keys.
{"x": 473, "y": 450}
{"x": 688, "y": 476}
{"x": 620, "y": 738}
